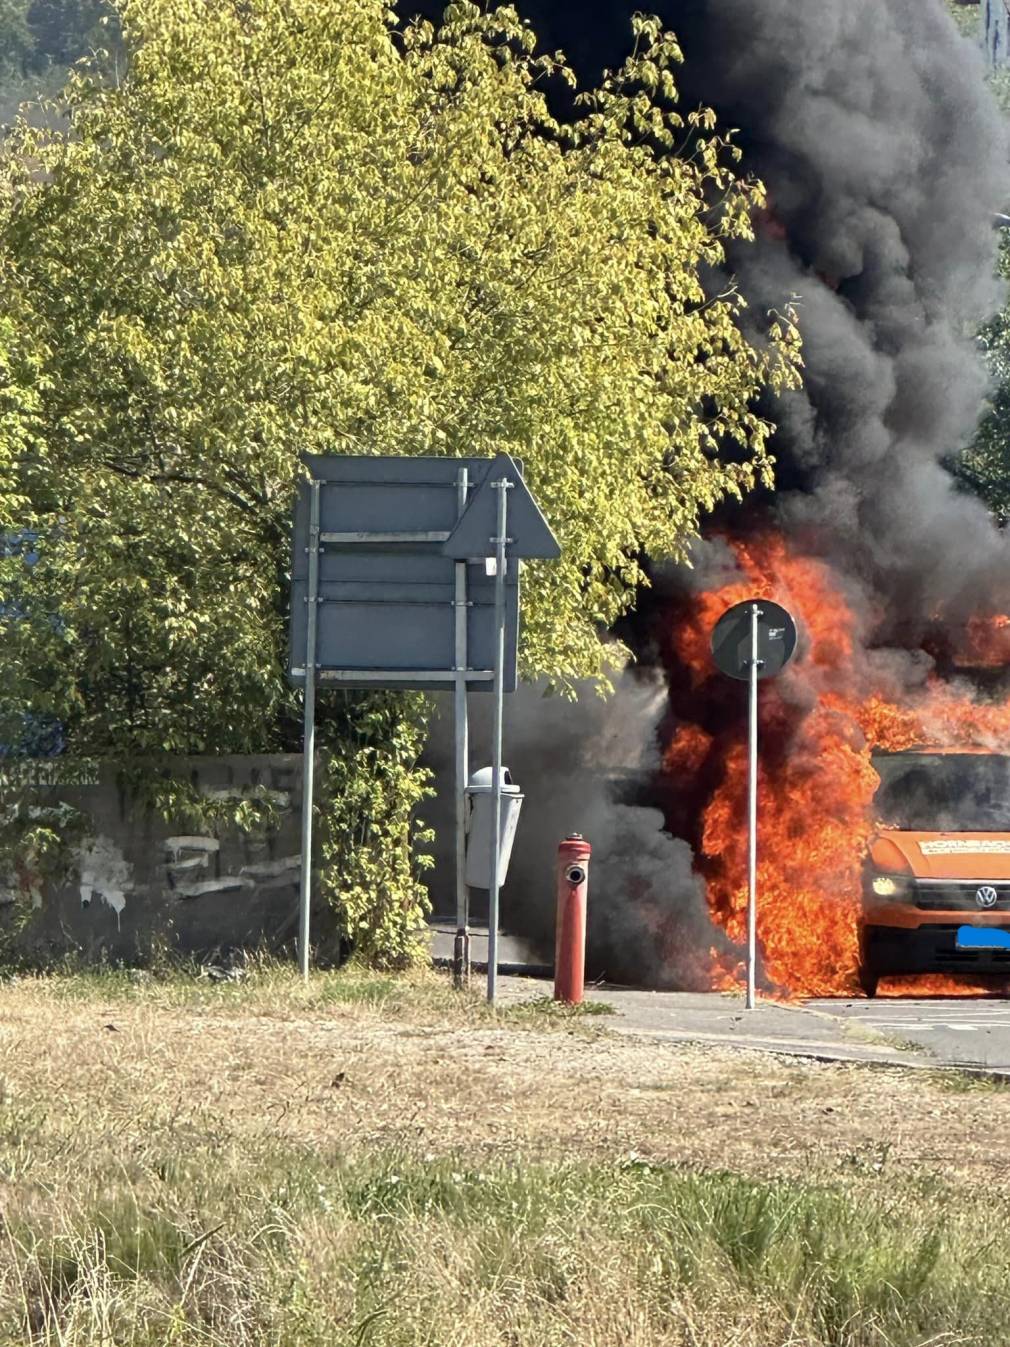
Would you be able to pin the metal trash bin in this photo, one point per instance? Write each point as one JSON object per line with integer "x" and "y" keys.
{"x": 479, "y": 826}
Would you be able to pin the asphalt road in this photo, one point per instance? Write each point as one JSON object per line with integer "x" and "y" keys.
{"x": 968, "y": 1030}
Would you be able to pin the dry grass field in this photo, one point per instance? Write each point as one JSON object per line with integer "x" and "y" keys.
{"x": 383, "y": 1161}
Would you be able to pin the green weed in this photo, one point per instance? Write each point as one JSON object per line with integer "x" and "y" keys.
{"x": 393, "y": 1250}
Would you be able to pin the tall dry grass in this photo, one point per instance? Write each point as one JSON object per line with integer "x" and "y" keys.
{"x": 206, "y": 1245}
{"x": 156, "y": 1190}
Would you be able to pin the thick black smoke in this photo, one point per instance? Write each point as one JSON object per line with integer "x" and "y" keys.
{"x": 885, "y": 158}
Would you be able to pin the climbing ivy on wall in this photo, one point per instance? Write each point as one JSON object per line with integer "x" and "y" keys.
{"x": 372, "y": 847}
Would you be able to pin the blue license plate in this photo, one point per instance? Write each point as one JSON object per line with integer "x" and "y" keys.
{"x": 982, "y": 937}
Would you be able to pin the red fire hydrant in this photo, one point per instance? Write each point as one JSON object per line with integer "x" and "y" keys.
{"x": 570, "y": 934}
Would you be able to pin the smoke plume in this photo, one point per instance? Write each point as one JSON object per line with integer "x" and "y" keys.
{"x": 885, "y": 159}
{"x": 582, "y": 766}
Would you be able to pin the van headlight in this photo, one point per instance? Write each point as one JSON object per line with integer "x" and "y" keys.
{"x": 890, "y": 886}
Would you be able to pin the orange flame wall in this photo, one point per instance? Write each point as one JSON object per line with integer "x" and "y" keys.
{"x": 819, "y": 722}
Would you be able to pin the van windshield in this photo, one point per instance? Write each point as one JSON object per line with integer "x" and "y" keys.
{"x": 925, "y": 792}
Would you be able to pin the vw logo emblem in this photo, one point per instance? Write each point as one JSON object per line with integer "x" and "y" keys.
{"x": 986, "y": 896}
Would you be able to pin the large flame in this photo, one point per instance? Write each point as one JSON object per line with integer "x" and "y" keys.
{"x": 819, "y": 722}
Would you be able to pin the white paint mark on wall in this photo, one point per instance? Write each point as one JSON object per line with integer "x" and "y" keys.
{"x": 281, "y": 798}
{"x": 222, "y": 885}
{"x": 179, "y": 844}
{"x": 105, "y": 874}
{"x": 268, "y": 869}
{"x": 56, "y": 815}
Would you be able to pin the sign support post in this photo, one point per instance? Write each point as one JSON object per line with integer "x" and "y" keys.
{"x": 309, "y": 735}
{"x": 753, "y": 640}
{"x": 755, "y": 664}
{"x": 461, "y": 950}
{"x": 502, "y": 487}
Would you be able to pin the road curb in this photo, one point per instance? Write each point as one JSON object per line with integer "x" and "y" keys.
{"x": 819, "y": 1053}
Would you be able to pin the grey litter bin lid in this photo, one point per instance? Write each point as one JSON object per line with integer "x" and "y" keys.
{"x": 481, "y": 782}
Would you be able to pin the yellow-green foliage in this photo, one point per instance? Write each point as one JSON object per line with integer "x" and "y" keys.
{"x": 966, "y": 17}
{"x": 289, "y": 227}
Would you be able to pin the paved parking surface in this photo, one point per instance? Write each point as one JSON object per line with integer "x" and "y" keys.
{"x": 970, "y": 1031}
{"x": 956, "y": 1031}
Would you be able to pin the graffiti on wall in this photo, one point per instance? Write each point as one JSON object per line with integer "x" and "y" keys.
{"x": 133, "y": 877}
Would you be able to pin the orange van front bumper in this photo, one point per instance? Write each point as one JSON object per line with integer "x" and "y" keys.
{"x": 898, "y": 939}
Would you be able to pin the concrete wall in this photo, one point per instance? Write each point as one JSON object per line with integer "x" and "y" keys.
{"x": 137, "y": 882}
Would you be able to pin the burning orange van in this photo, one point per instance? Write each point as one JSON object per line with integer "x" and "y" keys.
{"x": 939, "y": 862}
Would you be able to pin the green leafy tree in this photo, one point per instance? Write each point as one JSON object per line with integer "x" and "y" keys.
{"x": 984, "y": 468}
{"x": 65, "y": 30}
{"x": 40, "y": 39}
{"x": 966, "y": 16}
{"x": 17, "y": 44}
{"x": 291, "y": 227}
{"x": 968, "y": 19}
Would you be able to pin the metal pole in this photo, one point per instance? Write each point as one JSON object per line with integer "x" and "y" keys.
{"x": 461, "y": 951}
{"x": 309, "y": 737}
{"x": 752, "y": 771}
{"x": 502, "y": 488}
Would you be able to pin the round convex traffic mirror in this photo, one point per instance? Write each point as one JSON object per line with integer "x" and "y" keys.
{"x": 732, "y": 639}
